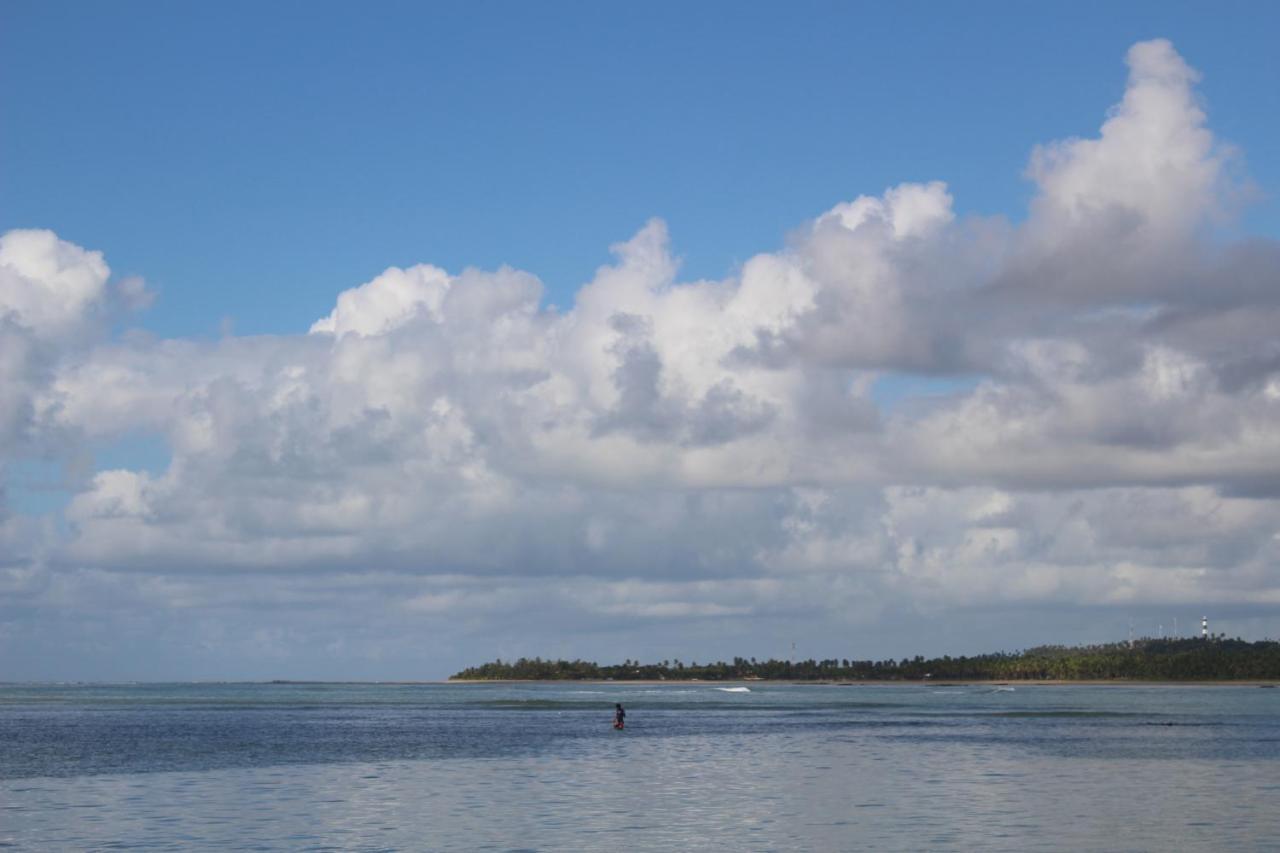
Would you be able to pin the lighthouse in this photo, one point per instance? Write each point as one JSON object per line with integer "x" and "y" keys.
{"x": 1204, "y": 627}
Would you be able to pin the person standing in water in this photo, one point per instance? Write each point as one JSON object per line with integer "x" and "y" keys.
{"x": 619, "y": 715}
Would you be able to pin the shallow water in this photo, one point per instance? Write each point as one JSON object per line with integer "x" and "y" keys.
{"x": 538, "y": 767}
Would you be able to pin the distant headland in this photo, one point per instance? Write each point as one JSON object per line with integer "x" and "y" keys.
{"x": 1201, "y": 659}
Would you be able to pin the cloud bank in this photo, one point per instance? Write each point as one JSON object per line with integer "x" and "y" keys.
{"x": 443, "y": 461}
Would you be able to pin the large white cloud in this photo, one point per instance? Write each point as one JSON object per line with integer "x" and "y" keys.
{"x": 1152, "y": 171}
{"x": 444, "y": 449}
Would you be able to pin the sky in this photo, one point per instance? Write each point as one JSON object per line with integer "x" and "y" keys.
{"x": 372, "y": 342}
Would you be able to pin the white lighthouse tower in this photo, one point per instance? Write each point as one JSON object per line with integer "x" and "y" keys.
{"x": 1204, "y": 627}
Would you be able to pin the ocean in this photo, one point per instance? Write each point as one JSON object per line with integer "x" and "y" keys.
{"x": 539, "y": 767}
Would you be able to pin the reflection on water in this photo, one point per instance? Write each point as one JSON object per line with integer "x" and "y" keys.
{"x": 781, "y": 768}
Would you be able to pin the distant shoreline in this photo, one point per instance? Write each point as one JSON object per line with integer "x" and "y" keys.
{"x": 950, "y": 682}
{"x": 1207, "y": 659}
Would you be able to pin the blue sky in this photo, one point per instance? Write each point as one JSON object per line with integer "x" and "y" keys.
{"x": 251, "y": 160}
{"x": 882, "y": 329}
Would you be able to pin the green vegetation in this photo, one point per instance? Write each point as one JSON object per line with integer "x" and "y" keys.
{"x": 1216, "y": 659}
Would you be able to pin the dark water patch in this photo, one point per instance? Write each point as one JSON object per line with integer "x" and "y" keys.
{"x": 537, "y": 704}
{"x": 1065, "y": 714}
{"x": 1080, "y": 743}
{"x": 745, "y": 706}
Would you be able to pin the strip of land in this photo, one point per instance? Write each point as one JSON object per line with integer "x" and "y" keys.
{"x": 1201, "y": 660}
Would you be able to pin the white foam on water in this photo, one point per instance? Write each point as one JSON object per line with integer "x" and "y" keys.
{"x": 733, "y": 689}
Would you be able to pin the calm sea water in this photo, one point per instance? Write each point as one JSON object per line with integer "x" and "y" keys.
{"x": 538, "y": 767}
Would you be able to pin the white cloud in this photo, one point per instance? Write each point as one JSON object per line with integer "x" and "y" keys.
{"x": 388, "y": 301}
{"x": 48, "y": 285}
{"x": 1153, "y": 167}
{"x": 54, "y": 296}
{"x": 705, "y": 452}
{"x": 908, "y": 210}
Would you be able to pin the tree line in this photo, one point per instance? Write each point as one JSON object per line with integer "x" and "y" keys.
{"x": 1213, "y": 659}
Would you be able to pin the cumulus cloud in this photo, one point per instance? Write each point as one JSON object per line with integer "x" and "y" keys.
{"x": 1153, "y": 169}
{"x": 387, "y": 301}
{"x": 48, "y": 285}
{"x": 708, "y": 453}
{"x": 54, "y": 299}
